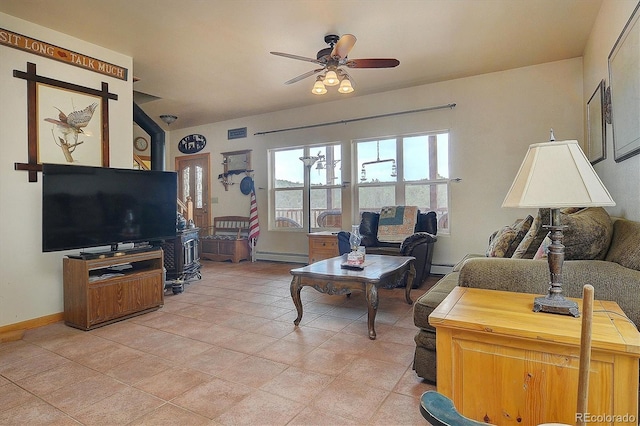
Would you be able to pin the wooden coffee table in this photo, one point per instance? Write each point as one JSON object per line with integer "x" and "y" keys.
{"x": 327, "y": 276}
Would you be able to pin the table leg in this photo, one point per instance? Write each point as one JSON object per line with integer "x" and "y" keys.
{"x": 295, "y": 295}
{"x": 371, "y": 294}
{"x": 410, "y": 278}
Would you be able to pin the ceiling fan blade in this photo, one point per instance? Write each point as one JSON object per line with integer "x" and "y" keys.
{"x": 303, "y": 76}
{"x": 344, "y": 46}
{"x": 372, "y": 63}
{"x": 300, "y": 58}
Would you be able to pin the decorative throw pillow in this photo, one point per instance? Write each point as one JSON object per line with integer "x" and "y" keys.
{"x": 503, "y": 242}
{"x": 625, "y": 249}
{"x": 543, "y": 250}
{"x": 500, "y": 241}
{"x": 588, "y": 234}
{"x": 530, "y": 243}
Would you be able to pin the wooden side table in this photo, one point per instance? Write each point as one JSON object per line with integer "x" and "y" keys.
{"x": 502, "y": 363}
{"x": 322, "y": 245}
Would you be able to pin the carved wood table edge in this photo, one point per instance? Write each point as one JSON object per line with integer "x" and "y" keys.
{"x": 327, "y": 276}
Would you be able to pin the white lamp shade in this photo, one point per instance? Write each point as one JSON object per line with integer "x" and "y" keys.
{"x": 554, "y": 175}
{"x": 345, "y": 86}
{"x": 331, "y": 78}
{"x": 318, "y": 88}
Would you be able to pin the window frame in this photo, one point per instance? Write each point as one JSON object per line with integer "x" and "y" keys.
{"x": 307, "y": 150}
{"x": 400, "y": 184}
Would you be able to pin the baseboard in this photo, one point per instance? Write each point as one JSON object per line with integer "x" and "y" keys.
{"x": 282, "y": 257}
{"x": 441, "y": 269}
{"x": 11, "y": 332}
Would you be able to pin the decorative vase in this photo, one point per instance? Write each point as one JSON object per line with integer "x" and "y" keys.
{"x": 354, "y": 237}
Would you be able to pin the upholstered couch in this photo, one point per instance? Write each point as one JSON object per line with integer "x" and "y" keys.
{"x": 419, "y": 245}
{"x": 613, "y": 268}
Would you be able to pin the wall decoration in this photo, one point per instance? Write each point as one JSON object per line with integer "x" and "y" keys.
{"x": 624, "y": 68}
{"x": 192, "y": 143}
{"x": 65, "y": 122}
{"x": 68, "y": 131}
{"x": 140, "y": 143}
{"x": 238, "y": 133}
{"x": 596, "y": 135}
{"x": 37, "y": 47}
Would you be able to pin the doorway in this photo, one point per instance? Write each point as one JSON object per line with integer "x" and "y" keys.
{"x": 193, "y": 181}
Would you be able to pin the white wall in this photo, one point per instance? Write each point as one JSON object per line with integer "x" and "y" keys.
{"x": 496, "y": 118}
{"x": 31, "y": 281}
{"x": 621, "y": 179}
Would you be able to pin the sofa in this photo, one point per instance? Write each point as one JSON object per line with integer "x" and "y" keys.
{"x": 419, "y": 245}
{"x": 599, "y": 251}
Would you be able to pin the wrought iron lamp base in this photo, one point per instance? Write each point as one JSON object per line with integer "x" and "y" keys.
{"x": 556, "y": 304}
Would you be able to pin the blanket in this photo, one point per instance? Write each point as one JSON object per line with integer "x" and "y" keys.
{"x": 397, "y": 223}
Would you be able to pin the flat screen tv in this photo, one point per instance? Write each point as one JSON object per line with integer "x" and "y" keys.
{"x": 86, "y": 207}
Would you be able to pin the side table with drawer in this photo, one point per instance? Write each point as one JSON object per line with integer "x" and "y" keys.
{"x": 322, "y": 245}
{"x": 502, "y": 363}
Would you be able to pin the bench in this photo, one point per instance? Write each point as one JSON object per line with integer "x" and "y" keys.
{"x": 227, "y": 239}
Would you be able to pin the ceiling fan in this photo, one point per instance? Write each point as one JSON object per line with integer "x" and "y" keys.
{"x": 331, "y": 59}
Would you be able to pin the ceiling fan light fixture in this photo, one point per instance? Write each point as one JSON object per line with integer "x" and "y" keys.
{"x": 331, "y": 78}
{"x": 318, "y": 87}
{"x": 345, "y": 86}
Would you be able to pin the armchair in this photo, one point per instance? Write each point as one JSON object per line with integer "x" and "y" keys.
{"x": 419, "y": 245}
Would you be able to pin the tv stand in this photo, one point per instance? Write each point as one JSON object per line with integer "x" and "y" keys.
{"x": 106, "y": 289}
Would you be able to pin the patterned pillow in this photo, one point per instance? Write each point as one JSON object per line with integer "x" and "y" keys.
{"x": 503, "y": 242}
{"x": 534, "y": 237}
{"x": 587, "y": 236}
{"x": 500, "y": 242}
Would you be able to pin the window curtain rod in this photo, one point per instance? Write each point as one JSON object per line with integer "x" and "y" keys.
{"x": 351, "y": 120}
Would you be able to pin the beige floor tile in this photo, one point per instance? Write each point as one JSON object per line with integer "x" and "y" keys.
{"x": 352, "y": 400}
{"x": 120, "y": 408}
{"x": 170, "y": 415}
{"x": 35, "y": 412}
{"x": 398, "y": 410}
{"x": 297, "y": 384}
{"x": 310, "y": 416}
{"x": 172, "y": 382}
{"x": 253, "y": 371}
{"x": 375, "y": 373}
{"x": 225, "y": 351}
{"x": 261, "y": 408}
{"x": 76, "y": 396}
{"x": 212, "y": 398}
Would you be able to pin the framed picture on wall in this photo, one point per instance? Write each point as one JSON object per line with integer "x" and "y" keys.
{"x": 596, "y": 135}
{"x": 69, "y": 126}
{"x": 624, "y": 68}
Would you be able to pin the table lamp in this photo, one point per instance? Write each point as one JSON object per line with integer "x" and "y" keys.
{"x": 554, "y": 175}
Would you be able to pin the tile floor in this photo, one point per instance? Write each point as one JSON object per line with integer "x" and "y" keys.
{"x": 224, "y": 352}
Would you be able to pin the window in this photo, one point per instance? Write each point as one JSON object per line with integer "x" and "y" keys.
{"x": 292, "y": 187}
{"x": 405, "y": 170}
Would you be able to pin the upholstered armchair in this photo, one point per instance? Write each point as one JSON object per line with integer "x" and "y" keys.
{"x": 419, "y": 245}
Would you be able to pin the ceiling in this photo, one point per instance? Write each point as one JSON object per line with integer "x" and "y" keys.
{"x": 208, "y": 60}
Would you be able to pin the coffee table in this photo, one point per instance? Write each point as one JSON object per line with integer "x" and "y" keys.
{"x": 328, "y": 276}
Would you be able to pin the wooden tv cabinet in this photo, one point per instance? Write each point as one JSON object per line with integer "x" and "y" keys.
{"x": 107, "y": 289}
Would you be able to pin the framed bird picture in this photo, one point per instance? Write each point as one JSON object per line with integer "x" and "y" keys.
{"x": 69, "y": 126}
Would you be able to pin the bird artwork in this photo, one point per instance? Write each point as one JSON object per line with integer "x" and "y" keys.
{"x": 69, "y": 126}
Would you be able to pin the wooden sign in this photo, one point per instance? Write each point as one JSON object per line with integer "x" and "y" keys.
{"x": 37, "y": 47}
